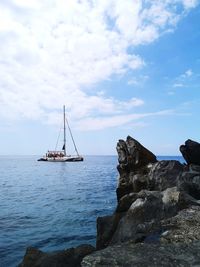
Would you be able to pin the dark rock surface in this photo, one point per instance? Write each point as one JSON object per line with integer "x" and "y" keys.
{"x": 171, "y": 242}
{"x": 131, "y": 156}
{"x": 149, "y": 208}
{"x": 146, "y": 255}
{"x": 66, "y": 258}
{"x": 191, "y": 152}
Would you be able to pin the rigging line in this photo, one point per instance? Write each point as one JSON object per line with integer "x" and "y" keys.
{"x": 72, "y": 137}
{"x": 58, "y": 138}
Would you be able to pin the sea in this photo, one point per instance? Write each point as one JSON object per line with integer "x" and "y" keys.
{"x": 53, "y": 206}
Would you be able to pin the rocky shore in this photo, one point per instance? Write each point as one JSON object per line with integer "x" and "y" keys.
{"x": 157, "y": 218}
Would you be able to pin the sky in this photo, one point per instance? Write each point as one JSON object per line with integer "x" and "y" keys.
{"x": 121, "y": 68}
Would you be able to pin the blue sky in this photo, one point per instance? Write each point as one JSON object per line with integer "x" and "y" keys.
{"x": 121, "y": 68}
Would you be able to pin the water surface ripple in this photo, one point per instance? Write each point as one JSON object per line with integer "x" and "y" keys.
{"x": 52, "y": 206}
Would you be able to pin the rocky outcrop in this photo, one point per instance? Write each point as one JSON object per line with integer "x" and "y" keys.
{"x": 191, "y": 152}
{"x": 66, "y": 258}
{"x": 131, "y": 156}
{"x": 157, "y": 200}
{"x": 148, "y": 191}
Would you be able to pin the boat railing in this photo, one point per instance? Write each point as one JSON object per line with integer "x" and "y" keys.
{"x": 53, "y": 154}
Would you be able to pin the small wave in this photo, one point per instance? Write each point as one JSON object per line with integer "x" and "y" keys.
{"x": 60, "y": 199}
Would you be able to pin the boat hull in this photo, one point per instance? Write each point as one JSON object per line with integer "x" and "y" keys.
{"x": 42, "y": 159}
{"x": 63, "y": 159}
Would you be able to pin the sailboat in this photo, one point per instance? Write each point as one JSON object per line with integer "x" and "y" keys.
{"x": 61, "y": 156}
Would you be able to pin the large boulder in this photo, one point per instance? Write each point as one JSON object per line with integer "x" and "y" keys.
{"x": 106, "y": 227}
{"x": 66, "y": 258}
{"x": 191, "y": 152}
{"x": 139, "y": 169}
{"x": 145, "y": 213}
{"x": 155, "y": 176}
{"x": 131, "y": 156}
{"x": 189, "y": 184}
{"x": 137, "y": 215}
{"x": 164, "y": 174}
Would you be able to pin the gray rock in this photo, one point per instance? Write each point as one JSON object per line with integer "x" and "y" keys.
{"x": 137, "y": 215}
{"x": 145, "y": 255}
{"x": 184, "y": 227}
{"x": 106, "y": 226}
{"x": 131, "y": 156}
{"x": 164, "y": 174}
{"x": 174, "y": 241}
{"x": 191, "y": 152}
{"x": 154, "y": 176}
{"x": 139, "y": 169}
{"x": 134, "y": 154}
{"x": 145, "y": 212}
{"x": 189, "y": 184}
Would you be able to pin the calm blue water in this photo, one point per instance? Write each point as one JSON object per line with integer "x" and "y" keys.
{"x": 53, "y": 206}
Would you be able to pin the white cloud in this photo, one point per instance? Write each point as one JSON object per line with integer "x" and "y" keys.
{"x": 188, "y": 73}
{"x": 92, "y": 123}
{"x": 182, "y": 79}
{"x": 138, "y": 81}
{"x": 178, "y": 85}
{"x": 190, "y": 3}
{"x": 27, "y": 4}
{"x": 53, "y": 52}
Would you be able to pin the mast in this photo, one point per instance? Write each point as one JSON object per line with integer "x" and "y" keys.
{"x": 64, "y": 146}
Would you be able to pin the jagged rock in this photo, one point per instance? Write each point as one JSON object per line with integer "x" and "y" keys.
{"x": 191, "y": 152}
{"x": 125, "y": 202}
{"x": 139, "y": 169}
{"x": 145, "y": 210}
{"x": 156, "y": 176}
{"x": 131, "y": 156}
{"x": 134, "y": 154}
{"x": 148, "y": 209}
{"x": 145, "y": 255}
{"x": 189, "y": 184}
{"x": 67, "y": 258}
{"x": 147, "y": 195}
{"x": 164, "y": 174}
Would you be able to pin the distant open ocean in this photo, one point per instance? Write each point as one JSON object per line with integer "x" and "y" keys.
{"x": 53, "y": 206}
